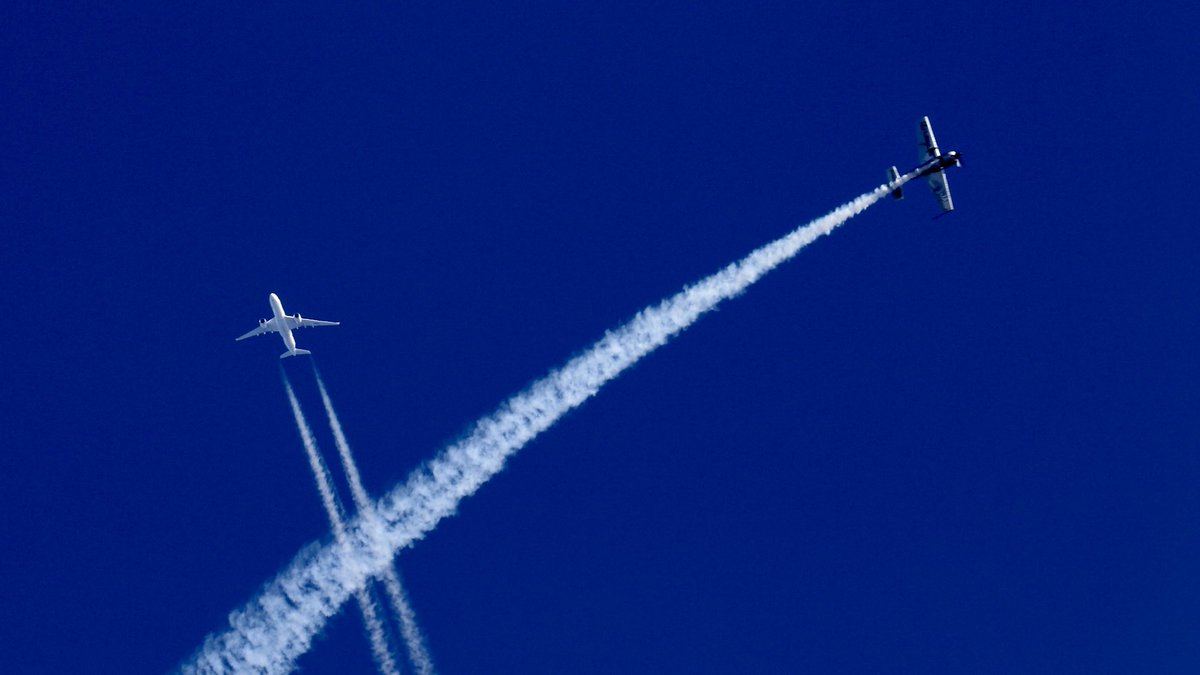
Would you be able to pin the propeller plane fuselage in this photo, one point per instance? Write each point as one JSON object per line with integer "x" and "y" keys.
{"x": 933, "y": 165}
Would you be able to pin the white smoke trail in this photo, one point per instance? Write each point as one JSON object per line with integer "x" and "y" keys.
{"x": 413, "y": 639}
{"x": 278, "y": 626}
{"x": 375, "y": 632}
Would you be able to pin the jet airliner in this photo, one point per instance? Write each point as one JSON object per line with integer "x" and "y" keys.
{"x": 933, "y": 164}
{"x": 284, "y": 325}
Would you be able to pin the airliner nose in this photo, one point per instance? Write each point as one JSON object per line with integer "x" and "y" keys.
{"x": 273, "y": 297}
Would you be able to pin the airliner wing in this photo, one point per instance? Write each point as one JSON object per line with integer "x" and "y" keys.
{"x": 928, "y": 145}
{"x": 294, "y": 323}
{"x": 941, "y": 190}
{"x": 264, "y": 327}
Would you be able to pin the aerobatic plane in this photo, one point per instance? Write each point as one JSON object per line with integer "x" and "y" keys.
{"x": 284, "y": 325}
{"x": 933, "y": 164}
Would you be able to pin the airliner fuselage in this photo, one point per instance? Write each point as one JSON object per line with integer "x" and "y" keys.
{"x": 284, "y": 330}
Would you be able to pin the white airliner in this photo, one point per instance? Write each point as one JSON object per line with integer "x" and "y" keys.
{"x": 284, "y": 325}
{"x": 934, "y": 165}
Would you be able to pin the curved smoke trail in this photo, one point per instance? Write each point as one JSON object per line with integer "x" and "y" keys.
{"x": 274, "y": 629}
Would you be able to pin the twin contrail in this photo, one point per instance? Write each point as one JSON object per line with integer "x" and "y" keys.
{"x": 413, "y": 639}
{"x": 375, "y": 631}
{"x": 278, "y": 626}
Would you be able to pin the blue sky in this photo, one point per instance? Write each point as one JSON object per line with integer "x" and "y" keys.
{"x": 963, "y": 445}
